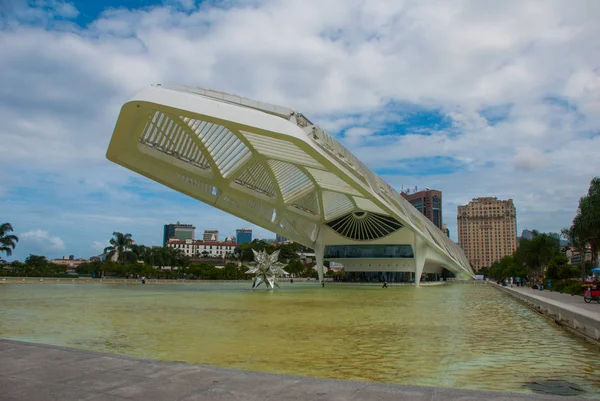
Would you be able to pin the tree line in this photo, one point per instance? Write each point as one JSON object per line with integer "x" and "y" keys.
{"x": 541, "y": 258}
{"x": 125, "y": 258}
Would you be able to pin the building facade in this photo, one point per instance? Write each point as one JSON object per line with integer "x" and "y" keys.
{"x": 527, "y": 234}
{"x": 179, "y": 231}
{"x": 243, "y": 235}
{"x": 445, "y": 230}
{"x": 210, "y": 235}
{"x": 574, "y": 255}
{"x": 198, "y": 249}
{"x": 280, "y": 238}
{"x": 274, "y": 168}
{"x": 428, "y": 202}
{"x": 69, "y": 261}
{"x": 487, "y": 230}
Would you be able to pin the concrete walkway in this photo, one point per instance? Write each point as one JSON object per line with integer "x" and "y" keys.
{"x": 43, "y": 372}
{"x": 574, "y": 303}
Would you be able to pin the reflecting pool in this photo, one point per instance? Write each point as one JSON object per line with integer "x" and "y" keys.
{"x": 467, "y": 336}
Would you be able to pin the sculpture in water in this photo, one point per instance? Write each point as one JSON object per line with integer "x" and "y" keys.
{"x": 266, "y": 269}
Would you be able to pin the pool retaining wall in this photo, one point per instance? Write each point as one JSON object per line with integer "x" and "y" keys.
{"x": 565, "y": 315}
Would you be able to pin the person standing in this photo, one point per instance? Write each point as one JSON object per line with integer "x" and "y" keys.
{"x": 384, "y": 284}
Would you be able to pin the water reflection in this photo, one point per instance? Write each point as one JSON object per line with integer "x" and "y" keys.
{"x": 467, "y": 336}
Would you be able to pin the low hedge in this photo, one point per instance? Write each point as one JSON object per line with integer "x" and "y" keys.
{"x": 574, "y": 287}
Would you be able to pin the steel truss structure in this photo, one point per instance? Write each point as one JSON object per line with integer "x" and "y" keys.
{"x": 273, "y": 167}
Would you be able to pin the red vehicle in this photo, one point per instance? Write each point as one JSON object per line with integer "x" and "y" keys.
{"x": 592, "y": 294}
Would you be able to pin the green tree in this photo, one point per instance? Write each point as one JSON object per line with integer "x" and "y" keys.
{"x": 167, "y": 256}
{"x": 244, "y": 251}
{"x": 94, "y": 267}
{"x": 578, "y": 241}
{"x": 8, "y": 242}
{"x": 289, "y": 251}
{"x": 295, "y": 267}
{"x": 120, "y": 245}
{"x": 537, "y": 252}
{"x": 586, "y": 224}
{"x": 139, "y": 251}
{"x": 559, "y": 268}
{"x": 36, "y": 261}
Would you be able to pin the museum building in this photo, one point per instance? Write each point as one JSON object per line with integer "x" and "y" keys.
{"x": 273, "y": 167}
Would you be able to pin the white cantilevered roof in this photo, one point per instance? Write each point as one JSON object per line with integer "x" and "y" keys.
{"x": 266, "y": 164}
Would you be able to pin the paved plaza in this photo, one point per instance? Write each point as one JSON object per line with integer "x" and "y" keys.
{"x": 43, "y": 372}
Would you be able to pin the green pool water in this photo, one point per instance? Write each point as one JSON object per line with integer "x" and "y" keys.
{"x": 466, "y": 336}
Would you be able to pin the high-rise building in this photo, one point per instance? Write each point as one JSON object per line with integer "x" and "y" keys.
{"x": 527, "y": 234}
{"x": 210, "y": 235}
{"x": 428, "y": 202}
{"x": 243, "y": 235}
{"x": 280, "y": 238}
{"x": 179, "y": 231}
{"x": 487, "y": 230}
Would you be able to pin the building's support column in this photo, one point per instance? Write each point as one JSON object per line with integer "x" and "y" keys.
{"x": 420, "y": 250}
{"x": 320, "y": 255}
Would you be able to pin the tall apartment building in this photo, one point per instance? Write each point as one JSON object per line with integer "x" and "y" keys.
{"x": 179, "y": 231}
{"x": 243, "y": 235}
{"x": 428, "y": 202}
{"x": 487, "y": 230}
{"x": 210, "y": 235}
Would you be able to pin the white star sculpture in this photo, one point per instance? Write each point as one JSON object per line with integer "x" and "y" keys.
{"x": 266, "y": 269}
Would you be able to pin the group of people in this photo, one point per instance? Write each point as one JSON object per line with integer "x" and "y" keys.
{"x": 513, "y": 281}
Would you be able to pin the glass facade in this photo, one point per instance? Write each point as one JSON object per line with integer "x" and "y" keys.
{"x": 418, "y": 205}
{"x": 436, "y": 207}
{"x": 379, "y": 277}
{"x": 436, "y": 218}
{"x": 394, "y": 277}
{"x": 243, "y": 236}
{"x": 368, "y": 251}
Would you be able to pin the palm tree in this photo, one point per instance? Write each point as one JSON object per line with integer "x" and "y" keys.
{"x": 121, "y": 246}
{"x": 8, "y": 242}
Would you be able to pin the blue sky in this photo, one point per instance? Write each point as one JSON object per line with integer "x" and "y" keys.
{"x": 472, "y": 98}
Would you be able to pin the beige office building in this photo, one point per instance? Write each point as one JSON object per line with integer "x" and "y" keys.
{"x": 487, "y": 230}
{"x": 210, "y": 235}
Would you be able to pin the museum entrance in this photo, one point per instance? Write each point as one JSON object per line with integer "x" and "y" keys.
{"x": 379, "y": 277}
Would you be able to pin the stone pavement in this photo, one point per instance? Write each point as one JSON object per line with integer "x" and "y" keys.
{"x": 43, "y": 372}
{"x": 574, "y": 303}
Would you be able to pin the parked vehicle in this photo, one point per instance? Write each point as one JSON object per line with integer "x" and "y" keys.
{"x": 592, "y": 294}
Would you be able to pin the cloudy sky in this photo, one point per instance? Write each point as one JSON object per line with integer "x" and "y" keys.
{"x": 474, "y": 98}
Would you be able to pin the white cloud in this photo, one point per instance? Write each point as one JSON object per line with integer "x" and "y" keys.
{"x": 99, "y": 246}
{"x": 63, "y": 9}
{"x": 355, "y": 135}
{"x": 529, "y": 159}
{"x": 42, "y": 240}
{"x": 342, "y": 63}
